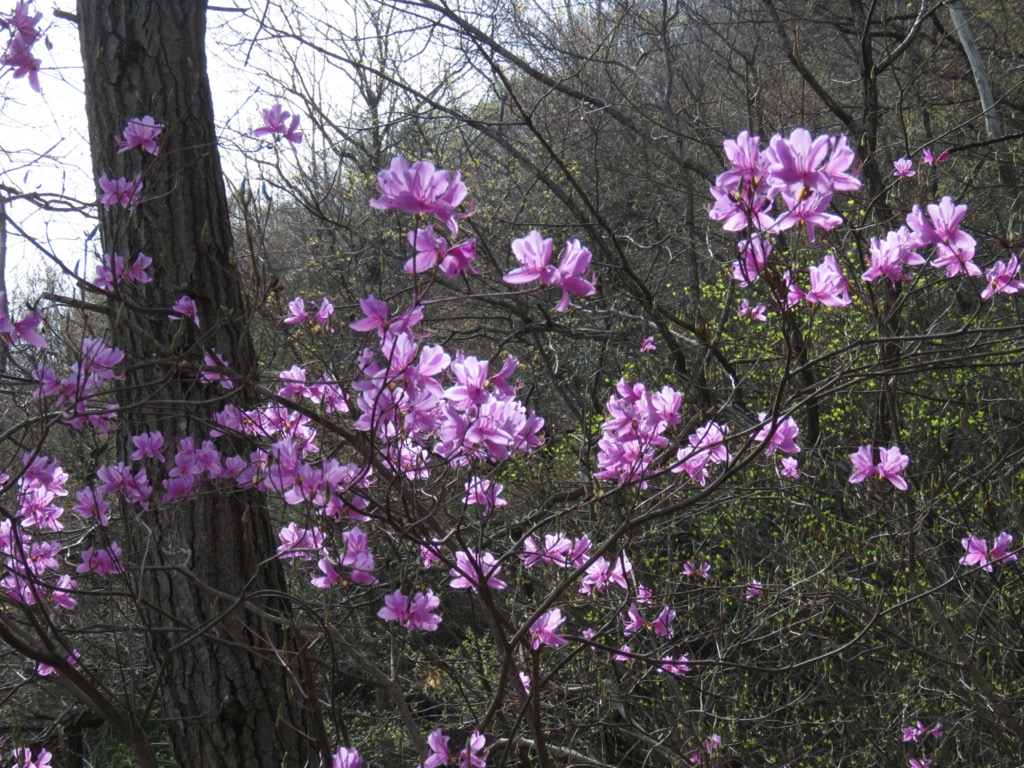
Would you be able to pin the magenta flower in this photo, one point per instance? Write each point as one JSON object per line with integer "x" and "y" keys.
{"x": 544, "y": 631}
{"x": 889, "y": 257}
{"x": 662, "y": 625}
{"x": 412, "y": 613}
{"x": 904, "y": 167}
{"x": 863, "y": 464}
{"x": 790, "y": 468}
{"x": 781, "y": 435}
{"x": 954, "y": 248}
{"x": 922, "y": 762}
{"x": 473, "y": 756}
{"x": 481, "y": 491}
{"x": 23, "y": 756}
{"x": 24, "y": 34}
{"x": 472, "y": 569}
{"x": 798, "y": 160}
{"x": 22, "y": 330}
{"x": 828, "y": 285}
{"x": 754, "y": 590}
{"x": 148, "y": 445}
{"x": 675, "y": 667}
{"x": 440, "y": 756}
{"x": 296, "y": 311}
{"x": 647, "y": 344}
{"x": 533, "y": 252}
{"x": 703, "y": 570}
{"x": 1002, "y": 278}
{"x": 575, "y": 262}
{"x": 929, "y": 159}
{"x": 757, "y": 312}
{"x": 978, "y": 552}
{"x": 215, "y": 369}
{"x": 121, "y": 191}
{"x": 376, "y": 316}
{"x": 421, "y": 189}
{"x": 140, "y": 132}
{"x": 275, "y": 123}
{"x": 185, "y": 306}
{"x": 346, "y": 758}
{"x": 891, "y": 465}
{"x": 754, "y": 254}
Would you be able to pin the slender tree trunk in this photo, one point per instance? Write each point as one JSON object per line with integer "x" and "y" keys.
{"x": 231, "y": 691}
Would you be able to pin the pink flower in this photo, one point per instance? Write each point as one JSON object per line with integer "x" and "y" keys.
{"x": 790, "y": 468}
{"x": 676, "y": 667}
{"x": 296, "y": 311}
{"x": 23, "y": 330}
{"x": 323, "y": 313}
{"x": 920, "y": 762}
{"x": 781, "y": 435}
{"x": 754, "y": 590}
{"x": 421, "y": 189}
{"x": 274, "y": 124}
{"x": 703, "y": 571}
{"x": 213, "y": 371}
{"x": 140, "y": 132}
{"x": 121, "y": 191}
{"x": 978, "y": 552}
{"x": 544, "y": 631}
{"x": 440, "y": 756}
{"x": 828, "y": 284}
{"x": 533, "y": 253}
{"x": 757, "y": 312}
{"x": 863, "y": 464}
{"x": 148, "y": 445}
{"x": 891, "y": 466}
{"x": 471, "y": 569}
{"x": 647, "y": 344}
{"x": 23, "y": 758}
{"x": 892, "y": 463}
{"x": 1002, "y": 278}
{"x": 346, "y": 758}
{"x": 485, "y": 493}
{"x": 904, "y": 167}
{"x": 471, "y": 756}
{"x": 412, "y": 613}
{"x": 185, "y": 307}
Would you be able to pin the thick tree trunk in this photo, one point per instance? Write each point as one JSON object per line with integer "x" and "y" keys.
{"x": 231, "y": 690}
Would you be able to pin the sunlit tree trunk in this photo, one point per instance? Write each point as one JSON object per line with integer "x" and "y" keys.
{"x": 210, "y": 593}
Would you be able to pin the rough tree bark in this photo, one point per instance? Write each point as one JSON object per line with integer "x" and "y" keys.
{"x": 232, "y": 692}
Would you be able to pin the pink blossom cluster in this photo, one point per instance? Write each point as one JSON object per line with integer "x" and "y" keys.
{"x": 403, "y": 401}
{"x": 473, "y": 755}
{"x": 799, "y": 172}
{"x": 534, "y": 252}
{"x": 421, "y": 189}
{"x": 276, "y": 123}
{"x": 707, "y": 448}
{"x": 24, "y": 29}
{"x": 111, "y": 274}
{"x": 416, "y": 612}
{"x": 890, "y": 466}
{"x": 980, "y": 554}
{"x": 97, "y": 366}
{"x": 120, "y": 191}
{"x": 633, "y": 430}
{"x": 557, "y": 551}
{"x": 297, "y": 313}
